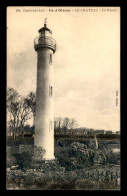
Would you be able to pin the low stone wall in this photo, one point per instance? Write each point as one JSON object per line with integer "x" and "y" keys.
{"x": 10, "y": 150}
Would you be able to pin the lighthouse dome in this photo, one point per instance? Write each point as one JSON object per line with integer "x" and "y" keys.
{"x": 44, "y": 31}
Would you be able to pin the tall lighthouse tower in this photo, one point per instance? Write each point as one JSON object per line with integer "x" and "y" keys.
{"x": 45, "y": 46}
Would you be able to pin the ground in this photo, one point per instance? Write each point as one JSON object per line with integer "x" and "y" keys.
{"x": 60, "y": 175}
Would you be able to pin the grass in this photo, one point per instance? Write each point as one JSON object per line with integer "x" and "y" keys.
{"x": 62, "y": 180}
{"x": 59, "y": 175}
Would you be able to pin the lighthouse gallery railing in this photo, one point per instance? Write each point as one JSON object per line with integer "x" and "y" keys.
{"x": 45, "y": 42}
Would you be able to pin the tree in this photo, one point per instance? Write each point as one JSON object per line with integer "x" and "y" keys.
{"x": 30, "y": 101}
{"x": 73, "y": 124}
{"x": 13, "y": 108}
{"x": 12, "y": 96}
{"x": 18, "y": 109}
{"x": 12, "y": 99}
{"x": 58, "y": 124}
{"x": 20, "y": 113}
{"x": 66, "y": 124}
{"x": 24, "y": 113}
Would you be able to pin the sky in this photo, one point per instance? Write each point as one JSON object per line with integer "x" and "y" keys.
{"x": 86, "y": 62}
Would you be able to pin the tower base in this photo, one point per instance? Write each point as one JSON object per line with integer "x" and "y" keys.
{"x": 49, "y": 158}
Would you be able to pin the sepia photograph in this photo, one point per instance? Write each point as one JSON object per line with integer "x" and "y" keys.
{"x": 63, "y": 98}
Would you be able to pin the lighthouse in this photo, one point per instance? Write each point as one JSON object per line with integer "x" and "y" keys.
{"x": 45, "y": 46}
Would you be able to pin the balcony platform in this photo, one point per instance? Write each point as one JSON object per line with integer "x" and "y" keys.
{"x": 45, "y": 42}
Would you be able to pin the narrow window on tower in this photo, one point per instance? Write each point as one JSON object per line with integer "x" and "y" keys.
{"x": 50, "y": 91}
{"x": 50, "y": 59}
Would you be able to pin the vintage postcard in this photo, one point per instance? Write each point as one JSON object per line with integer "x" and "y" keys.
{"x": 63, "y": 98}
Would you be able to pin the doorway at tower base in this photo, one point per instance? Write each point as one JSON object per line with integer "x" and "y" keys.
{"x": 40, "y": 154}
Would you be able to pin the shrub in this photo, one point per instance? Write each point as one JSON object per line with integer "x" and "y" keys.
{"x": 23, "y": 160}
{"x": 81, "y": 153}
{"x": 78, "y": 156}
{"x": 29, "y": 159}
{"x": 10, "y": 162}
{"x": 38, "y": 153}
{"x": 60, "y": 143}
